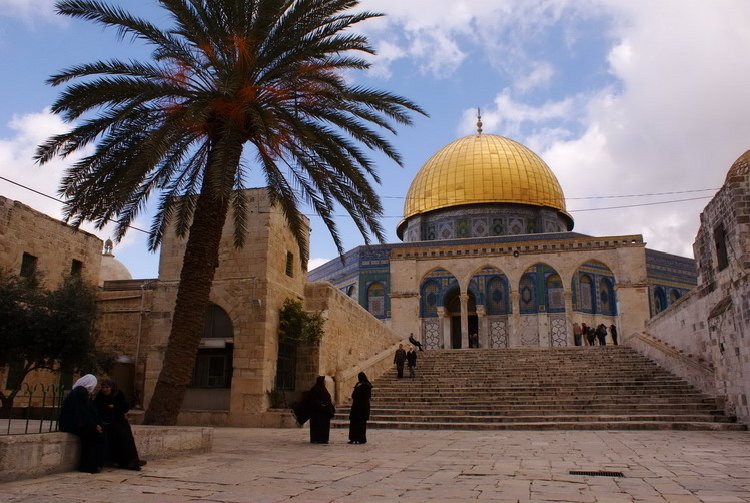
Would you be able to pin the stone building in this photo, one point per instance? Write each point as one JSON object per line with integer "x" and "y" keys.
{"x": 488, "y": 249}
{"x": 236, "y": 368}
{"x": 705, "y": 335}
{"x": 238, "y": 361}
{"x": 31, "y": 241}
{"x": 34, "y": 243}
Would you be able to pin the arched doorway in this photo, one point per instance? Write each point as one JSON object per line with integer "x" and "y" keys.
{"x": 452, "y": 304}
{"x": 433, "y": 310}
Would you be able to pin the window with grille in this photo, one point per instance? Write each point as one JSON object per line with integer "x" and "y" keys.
{"x": 28, "y": 265}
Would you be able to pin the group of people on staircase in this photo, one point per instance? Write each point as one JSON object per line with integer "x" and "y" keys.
{"x": 409, "y": 357}
{"x": 593, "y": 335}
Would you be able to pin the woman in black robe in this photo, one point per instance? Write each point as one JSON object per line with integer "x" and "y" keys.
{"x": 360, "y": 411}
{"x": 112, "y": 406}
{"x": 78, "y": 416}
{"x": 321, "y": 411}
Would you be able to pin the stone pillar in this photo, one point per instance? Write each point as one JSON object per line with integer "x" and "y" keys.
{"x": 514, "y": 320}
{"x": 484, "y": 330}
{"x": 569, "y": 317}
{"x": 464, "y": 320}
{"x": 444, "y": 328}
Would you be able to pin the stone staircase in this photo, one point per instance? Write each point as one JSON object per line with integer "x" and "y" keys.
{"x": 584, "y": 388}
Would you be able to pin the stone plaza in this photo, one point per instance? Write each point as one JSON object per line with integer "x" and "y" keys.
{"x": 270, "y": 465}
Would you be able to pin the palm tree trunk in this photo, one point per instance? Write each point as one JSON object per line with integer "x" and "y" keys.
{"x": 198, "y": 270}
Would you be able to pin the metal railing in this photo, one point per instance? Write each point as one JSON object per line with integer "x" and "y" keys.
{"x": 35, "y": 409}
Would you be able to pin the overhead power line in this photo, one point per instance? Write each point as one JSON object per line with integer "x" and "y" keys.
{"x": 57, "y": 199}
{"x": 568, "y": 198}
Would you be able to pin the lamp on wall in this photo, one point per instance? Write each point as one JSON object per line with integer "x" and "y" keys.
{"x": 257, "y": 303}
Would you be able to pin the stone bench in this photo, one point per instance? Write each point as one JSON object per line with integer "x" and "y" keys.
{"x": 35, "y": 455}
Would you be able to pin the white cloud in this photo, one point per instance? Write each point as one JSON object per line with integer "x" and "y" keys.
{"x": 17, "y": 165}
{"x": 28, "y": 11}
{"x": 540, "y": 74}
{"x": 316, "y": 262}
{"x": 673, "y": 119}
{"x": 507, "y": 116}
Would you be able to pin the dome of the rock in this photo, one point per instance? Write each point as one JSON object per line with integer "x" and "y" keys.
{"x": 486, "y": 172}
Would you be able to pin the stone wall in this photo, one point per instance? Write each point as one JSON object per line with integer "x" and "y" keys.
{"x": 712, "y": 324}
{"x": 54, "y": 244}
{"x": 28, "y": 456}
{"x": 353, "y": 337}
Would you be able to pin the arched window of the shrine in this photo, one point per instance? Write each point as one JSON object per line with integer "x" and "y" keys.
{"x": 496, "y": 298}
{"x": 376, "y": 299}
{"x": 429, "y": 299}
{"x": 527, "y": 294}
{"x": 555, "y": 293}
{"x": 585, "y": 293}
{"x": 606, "y": 300}
{"x": 660, "y": 300}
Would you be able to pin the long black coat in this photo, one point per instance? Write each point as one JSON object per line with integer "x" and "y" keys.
{"x": 119, "y": 442}
{"x": 78, "y": 416}
{"x": 77, "y": 413}
{"x": 360, "y": 412}
{"x": 321, "y": 409}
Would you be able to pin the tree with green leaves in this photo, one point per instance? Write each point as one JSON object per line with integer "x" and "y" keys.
{"x": 42, "y": 329}
{"x": 232, "y": 87}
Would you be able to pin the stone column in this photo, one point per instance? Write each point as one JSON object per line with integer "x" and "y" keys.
{"x": 484, "y": 330}
{"x": 514, "y": 320}
{"x": 444, "y": 328}
{"x": 464, "y": 320}
{"x": 569, "y": 317}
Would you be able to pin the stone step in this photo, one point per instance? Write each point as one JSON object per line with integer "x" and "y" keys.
{"x": 611, "y": 409}
{"x": 536, "y": 418}
{"x": 528, "y": 388}
{"x": 556, "y": 425}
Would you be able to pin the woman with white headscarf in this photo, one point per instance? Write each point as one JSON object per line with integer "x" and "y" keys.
{"x": 78, "y": 416}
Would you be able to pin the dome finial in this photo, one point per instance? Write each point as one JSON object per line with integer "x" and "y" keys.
{"x": 108, "y": 248}
{"x": 479, "y": 121}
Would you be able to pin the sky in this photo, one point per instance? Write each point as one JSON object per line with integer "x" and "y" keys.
{"x": 639, "y": 107}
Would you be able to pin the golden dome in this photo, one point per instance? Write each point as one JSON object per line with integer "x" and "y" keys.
{"x": 483, "y": 168}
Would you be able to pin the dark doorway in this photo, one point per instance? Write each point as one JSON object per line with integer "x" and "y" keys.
{"x": 453, "y": 309}
{"x": 473, "y": 331}
{"x": 456, "y": 332}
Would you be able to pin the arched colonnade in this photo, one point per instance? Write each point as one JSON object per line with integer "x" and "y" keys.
{"x": 535, "y": 306}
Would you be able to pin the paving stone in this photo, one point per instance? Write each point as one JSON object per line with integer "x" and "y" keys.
{"x": 250, "y": 465}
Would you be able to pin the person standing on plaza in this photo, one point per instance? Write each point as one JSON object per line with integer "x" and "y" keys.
{"x": 613, "y": 333}
{"x": 360, "y": 411}
{"x": 411, "y": 360}
{"x": 111, "y": 407}
{"x": 399, "y": 358}
{"x": 577, "y": 334}
{"x": 321, "y": 410}
{"x": 78, "y": 416}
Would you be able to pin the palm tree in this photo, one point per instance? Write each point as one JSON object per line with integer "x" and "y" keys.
{"x": 268, "y": 75}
